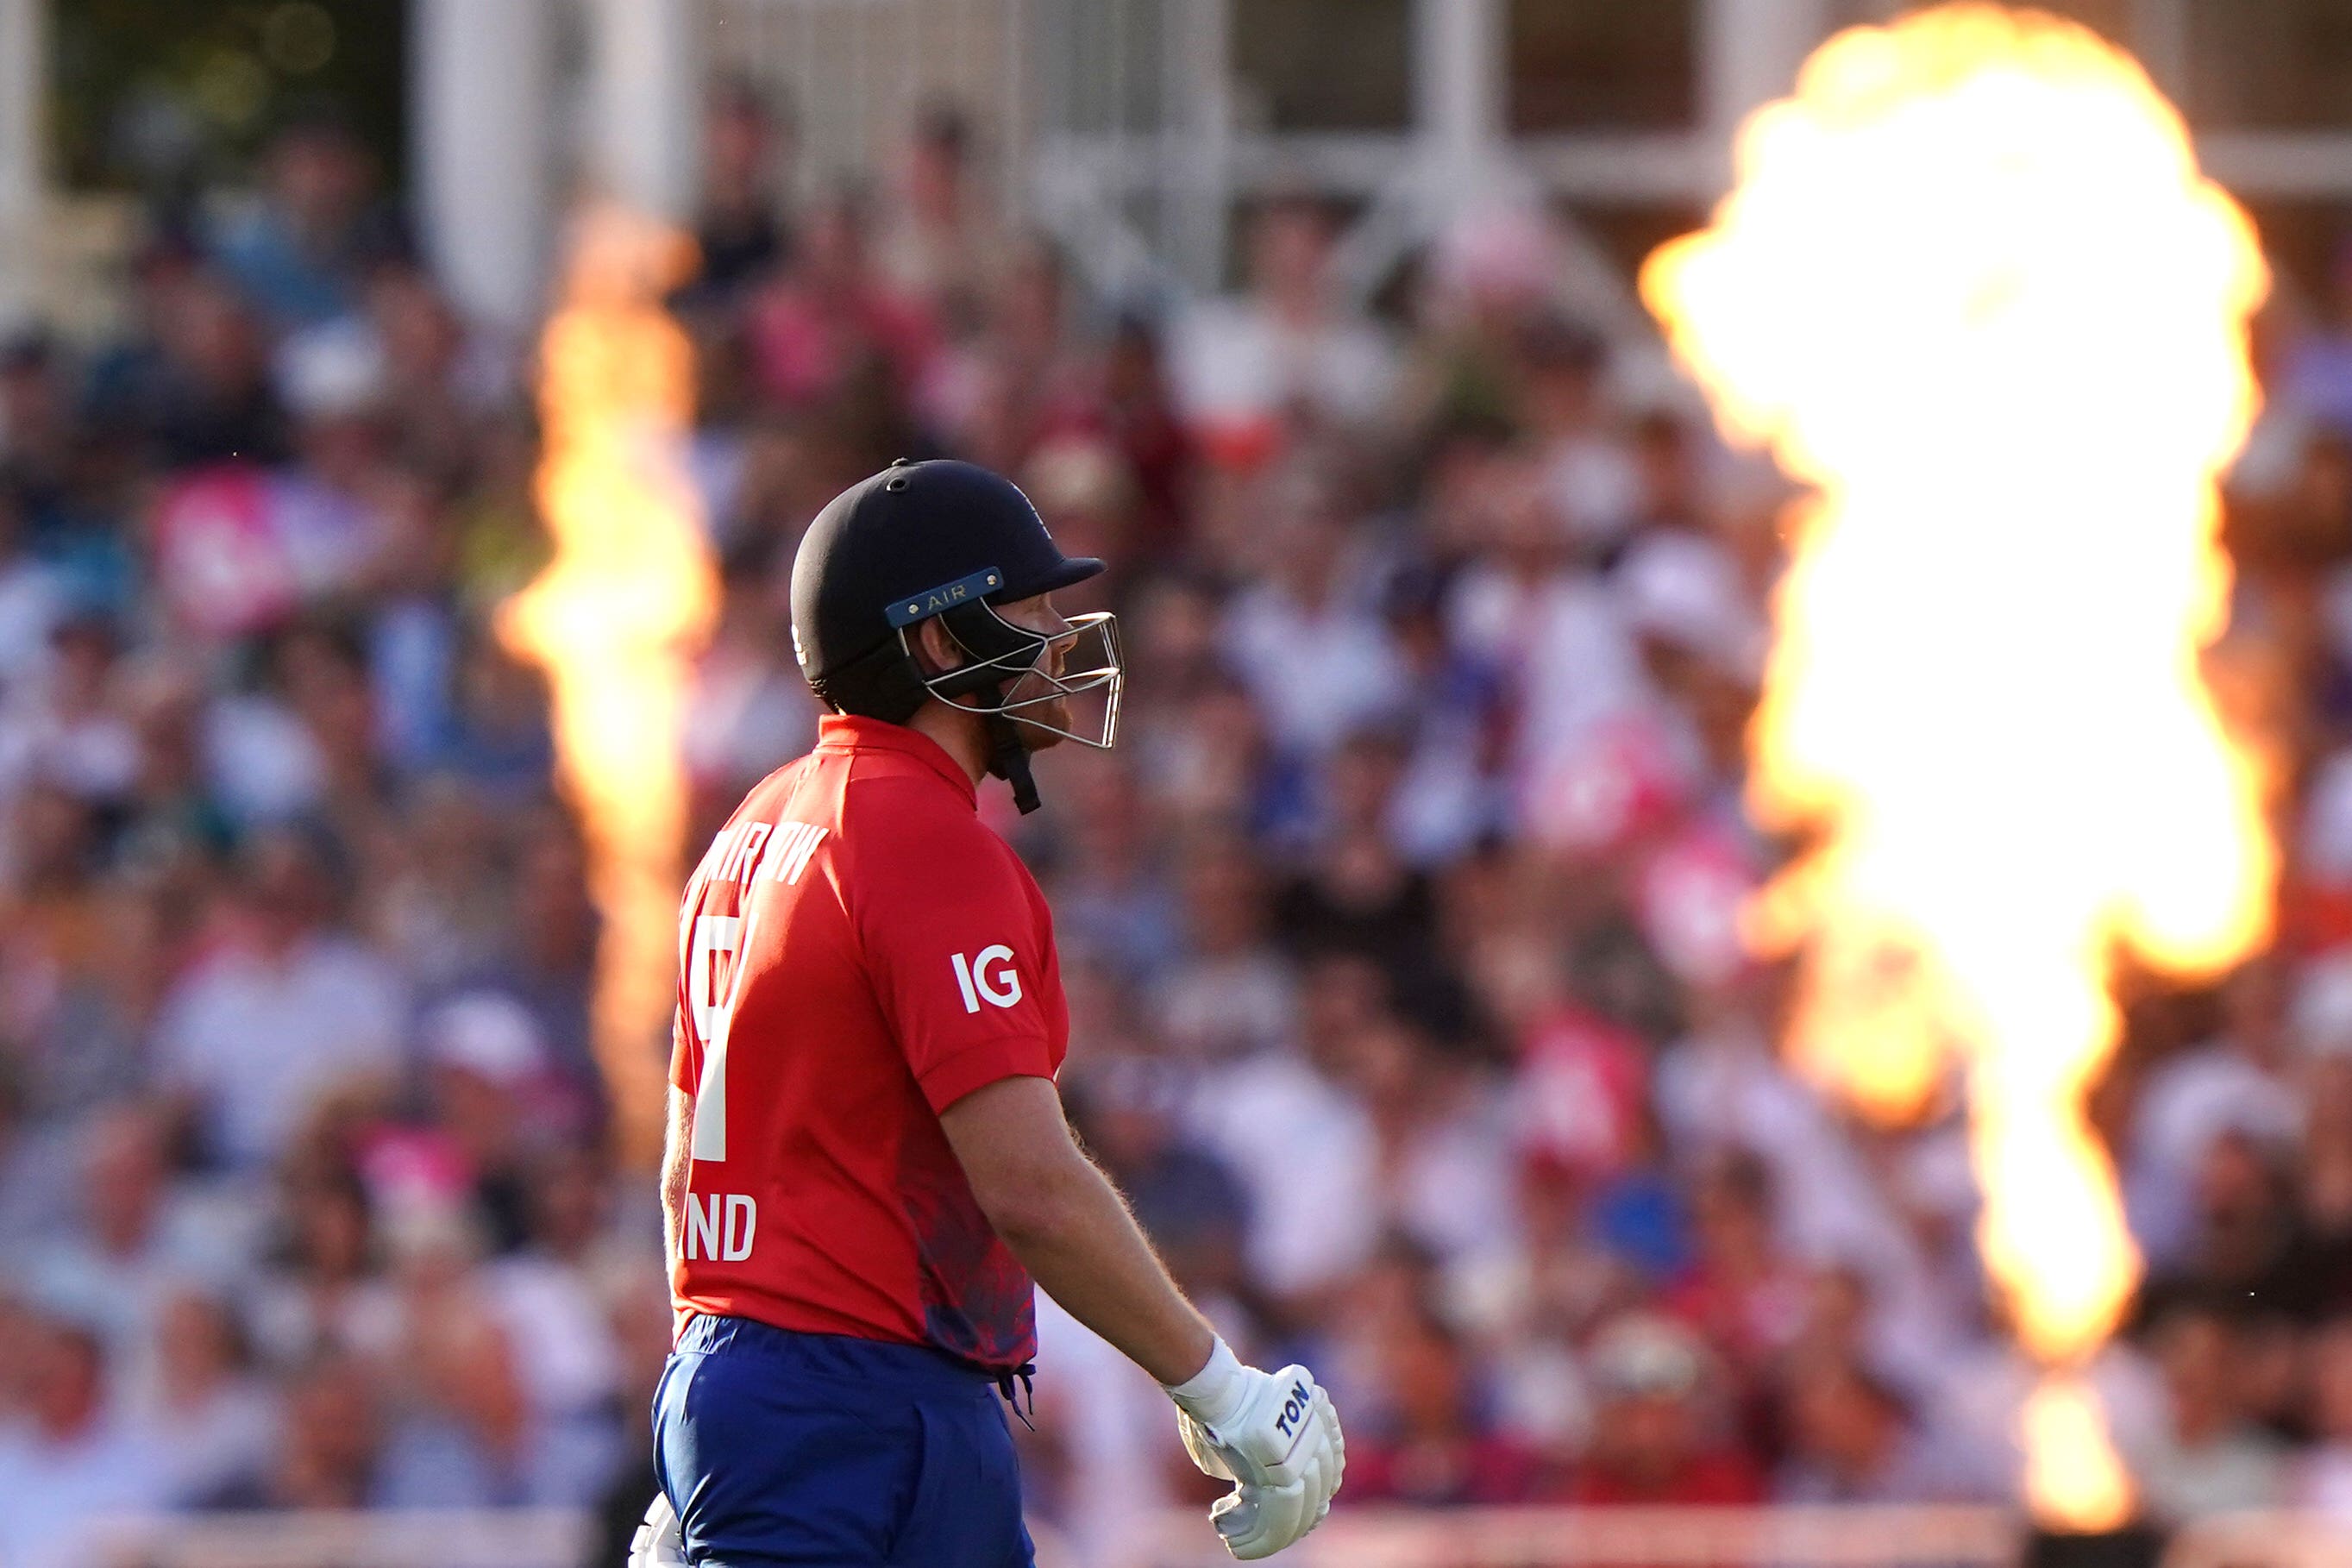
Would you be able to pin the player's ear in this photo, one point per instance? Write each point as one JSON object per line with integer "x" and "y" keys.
{"x": 934, "y": 648}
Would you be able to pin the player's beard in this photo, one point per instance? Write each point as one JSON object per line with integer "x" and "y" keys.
{"x": 1053, "y": 711}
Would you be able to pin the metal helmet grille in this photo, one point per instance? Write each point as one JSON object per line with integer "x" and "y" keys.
{"x": 1013, "y": 676}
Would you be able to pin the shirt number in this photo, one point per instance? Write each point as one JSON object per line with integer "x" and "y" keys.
{"x": 714, "y": 1011}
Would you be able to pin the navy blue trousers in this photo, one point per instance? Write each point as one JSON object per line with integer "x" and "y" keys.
{"x": 817, "y": 1448}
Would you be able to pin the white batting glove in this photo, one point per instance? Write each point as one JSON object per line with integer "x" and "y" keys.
{"x": 659, "y": 1542}
{"x": 1275, "y": 1437}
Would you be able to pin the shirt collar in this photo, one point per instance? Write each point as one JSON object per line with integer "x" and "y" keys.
{"x": 855, "y": 731}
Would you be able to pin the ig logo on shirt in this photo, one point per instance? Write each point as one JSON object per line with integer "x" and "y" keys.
{"x": 1001, "y": 988}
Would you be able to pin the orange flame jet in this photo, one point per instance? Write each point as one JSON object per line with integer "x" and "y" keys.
{"x": 616, "y": 620}
{"x": 1971, "y": 287}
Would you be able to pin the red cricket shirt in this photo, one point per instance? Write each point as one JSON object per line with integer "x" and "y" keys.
{"x": 857, "y": 951}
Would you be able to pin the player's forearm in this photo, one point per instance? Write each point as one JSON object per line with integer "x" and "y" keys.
{"x": 677, "y": 1168}
{"x": 1080, "y": 1243}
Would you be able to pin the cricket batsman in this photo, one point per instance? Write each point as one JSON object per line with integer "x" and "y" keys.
{"x": 868, "y": 1163}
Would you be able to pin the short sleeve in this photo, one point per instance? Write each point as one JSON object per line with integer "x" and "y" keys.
{"x": 947, "y": 919}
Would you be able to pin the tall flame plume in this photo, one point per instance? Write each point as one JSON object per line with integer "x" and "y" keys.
{"x": 1970, "y": 289}
{"x": 617, "y": 619}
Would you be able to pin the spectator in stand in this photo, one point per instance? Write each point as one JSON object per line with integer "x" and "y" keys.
{"x": 2203, "y": 1455}
{"x": 1308, "y": 638}
{"x": 1548, "y": 624}
{"x": 2322, "y": 1037}
{"x": 327, "y": 510}
{"x": 494, "y": 1106}
{"x": 204, "y": 396}
{"x": 1721, "y": 1090}
{"x": 201, "y": 1404}
{"x": 498, "y": 740}
{"x": 1193, "y": 1206}
{"x": 1429, "y": 1443}
{"x": 2321, "y": 1478}
{"x": 440, "y": 374}
{"x": 826, "y": 331}
{"x": 1580, "y": 1088}
{"x": 2248, "y": 1246}
{"x": 1116, "y": 881}
{"x": 1669, "y": 459}
{"x": 2317, "y": 376}
{"x": 1229, "y": 994}
{"x": 324, "y": 1293}
{"x": 939, "y": 238}
{"x": 300, "y": 255}
{"x": 58, "y": 950}
{"x": 1493, "y": 268}
{"x": 41, "y": 442}
{"x": 1742, "y": 1293}
{"x": 285, "y": 1008}
{"x": 550, "y": 966}
{"x": 1588, "y": 474}
{"x": 1454, "y": 721}
{"x": 1529, "y": 1309}
{"x": 328, "y": 1444}
{"x": 1661, "y": 1431}
{"x": 1246, "y": 366}
{"x": 65, "y": 727}
{"x": 131, "y": 1243}
{"x": 751, "y": 705}
{"x": 744, "y": 231}
{"x": 1854, "y": 1439}
{"x": 637, "y": 1309}
{"x": 1133, "y": 406}
{"x": 34, "y": 595}
{"x": 1081, "y": 486}
{"x": 1300, "y": 1112}
{"x": 72, "y": 1461}
{"x": 459, "y": 1432}
{"x": 442, "y": 911}
{"x": 2231, "y": 1083}
{"x": 559, "y": 1299}
{"x": 1357, "y": 894}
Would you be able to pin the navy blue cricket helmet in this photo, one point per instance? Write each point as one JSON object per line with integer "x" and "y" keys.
{"x": 953, "y": 540}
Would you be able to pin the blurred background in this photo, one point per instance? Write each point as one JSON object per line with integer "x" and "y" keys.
{"x": 1408, "y": 1003}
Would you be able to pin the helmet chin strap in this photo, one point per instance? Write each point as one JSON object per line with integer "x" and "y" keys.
{"x": 1008, "y": 758}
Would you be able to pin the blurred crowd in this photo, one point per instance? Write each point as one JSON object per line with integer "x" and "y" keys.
{"x": 1408, "y": 1003}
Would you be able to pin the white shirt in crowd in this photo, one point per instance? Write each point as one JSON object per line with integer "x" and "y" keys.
{"x": 2189, "y": 1102}
{"x": 1566, "y": 642}
{"x": 1316, "y": 673}
{"x": 1235, "y": 363}
{"x": 53, "y": 1493}
{"x": 1310, "y": 1158}
{"x": 227, "y": 1437}
{"x": 1307, "y": 1153}
{"x": 258, "y": 1039}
